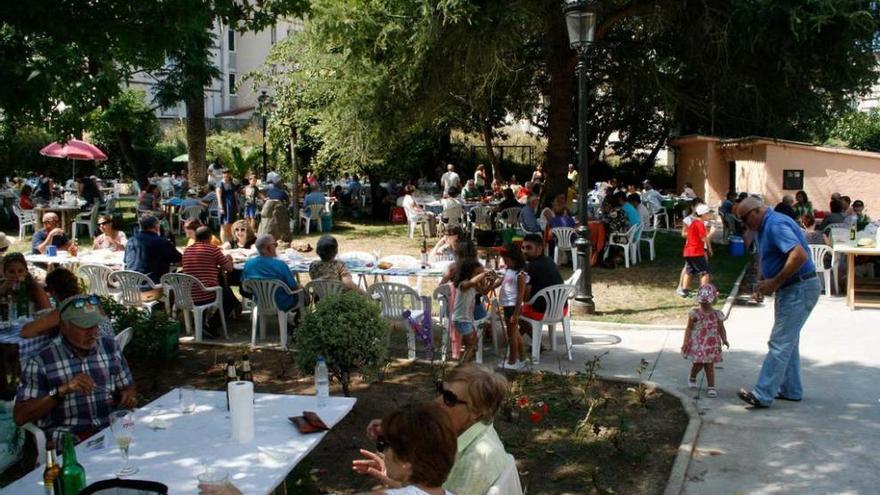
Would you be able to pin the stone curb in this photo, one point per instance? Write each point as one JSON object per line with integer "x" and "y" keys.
{"x": 728, "y": 303}
{"x": 592, "y": 325}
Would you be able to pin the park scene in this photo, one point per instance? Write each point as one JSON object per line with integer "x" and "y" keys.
{"x": 439, "y": 247}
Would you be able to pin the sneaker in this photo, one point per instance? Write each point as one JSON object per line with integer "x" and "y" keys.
{"x": 681, "y": 292}
{"x": 692, "y": 383}
{"x": 515, "y": 366}
{"x": 711, "y": 393}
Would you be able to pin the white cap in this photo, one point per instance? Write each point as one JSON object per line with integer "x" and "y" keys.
{"x": 702, "y": 210}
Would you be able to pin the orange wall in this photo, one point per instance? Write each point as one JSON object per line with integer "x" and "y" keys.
{"x": 700, "y": 164}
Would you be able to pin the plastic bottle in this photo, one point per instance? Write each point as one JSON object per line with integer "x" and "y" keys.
{"x": 322, "y": 382}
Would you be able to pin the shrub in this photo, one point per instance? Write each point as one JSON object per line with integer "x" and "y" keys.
{"x": 348, "y": 331}
{"x": 153, "y": 334}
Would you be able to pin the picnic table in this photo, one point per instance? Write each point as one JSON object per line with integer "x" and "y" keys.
{"x": 867, "y": 293}
{"x": 104, "y": 257}
{"x": 10, "y": 333}
{"x": 176, "y": 454}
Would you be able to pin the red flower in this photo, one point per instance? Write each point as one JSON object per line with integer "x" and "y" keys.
{"x": 522, "y": 401}
{"x": 543, "y": 407}
{"x": 536, "y": 417}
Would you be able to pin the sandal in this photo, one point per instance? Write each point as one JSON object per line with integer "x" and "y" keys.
{"x": 711, "y": 393}
{"x": 750, "y": 399}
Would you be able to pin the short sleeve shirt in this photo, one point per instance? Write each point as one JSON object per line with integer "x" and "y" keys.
{"x": 327, "y": 270}
{"x": 777, "y": 236}
{"x": 202, "y": 260}
{"x": 58, "y": 241}
{"x": 542, "y": 272}
{"x": 694, "y": 245}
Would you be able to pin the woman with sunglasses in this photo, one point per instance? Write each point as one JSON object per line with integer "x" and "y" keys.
{"x": 110, "y": 238}
{"x": 243, "y": 236}
{"x": 470, "y": 395}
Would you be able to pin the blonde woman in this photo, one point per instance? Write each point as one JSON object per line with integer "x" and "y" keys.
{"x": 110, "y": 238}
{"x": 243, "y": 236}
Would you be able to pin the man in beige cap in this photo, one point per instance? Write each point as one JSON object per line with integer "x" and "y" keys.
{"x": 788, "y": 273}
{"x": 75, "y": 382}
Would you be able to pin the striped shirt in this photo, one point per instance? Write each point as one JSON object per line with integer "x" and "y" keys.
{"x": 203, "y": 260}
{"x": 56, "y": 365}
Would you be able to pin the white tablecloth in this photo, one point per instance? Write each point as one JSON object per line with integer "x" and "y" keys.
{"x": 105, "y": 257}
{"x": 175, "y": 456}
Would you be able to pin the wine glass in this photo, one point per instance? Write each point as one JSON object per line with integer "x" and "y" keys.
{"x": 122, "y": 425}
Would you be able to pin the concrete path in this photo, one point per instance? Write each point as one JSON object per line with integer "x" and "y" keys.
{"x": 827, "y": 444}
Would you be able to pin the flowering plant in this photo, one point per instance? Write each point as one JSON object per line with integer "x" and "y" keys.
{"x": 537, "y": 409}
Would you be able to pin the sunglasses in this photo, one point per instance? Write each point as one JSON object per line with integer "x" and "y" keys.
{"x": 241, "y": 230}
{"x": 449, "y": 397}
{"x": 105, "y": 223}
{"x": 81, "y": 302}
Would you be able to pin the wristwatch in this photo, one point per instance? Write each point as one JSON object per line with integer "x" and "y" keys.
{"x": 55, "y": 394}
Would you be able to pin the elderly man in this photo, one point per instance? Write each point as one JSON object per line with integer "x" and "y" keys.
{"x": 651, "y": 196}
{"x": 76, "y": 381}
{"x": 266, "y": 266}
{"x": 205, "y": 261}
{"x": 788, "y": 272}
{"x": 315, "y": 196}
{"x": 786, "y": 207}
{"x": 149, "y": 253}
{"x": 450, "y": 179}
{"x": 529, "y": 215}
{"x": 51, "y": 235}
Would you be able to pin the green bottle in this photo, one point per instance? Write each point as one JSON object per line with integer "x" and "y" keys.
{"x": 73, "y": 476}
{"x": 23, "y": 302}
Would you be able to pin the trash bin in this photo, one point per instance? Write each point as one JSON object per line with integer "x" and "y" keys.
{"x": 326, "y": 222}
{"x": 737, "y": 245}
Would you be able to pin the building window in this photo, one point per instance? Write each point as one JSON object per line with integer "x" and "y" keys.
{"x": 793, "y": 180}
{"x": 273, "y": 35}
{"x": 230, "y": 39}
{"x": 232, "y": 87}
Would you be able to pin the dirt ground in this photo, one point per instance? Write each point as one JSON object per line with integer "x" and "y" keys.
{"x": 626, "y": 448}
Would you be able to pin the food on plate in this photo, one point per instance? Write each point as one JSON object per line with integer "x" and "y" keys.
{"x": 384, "y": 265}
{"x": 866, "y": 242}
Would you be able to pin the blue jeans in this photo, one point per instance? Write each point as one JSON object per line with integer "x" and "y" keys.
{"x": 781, "y": 371}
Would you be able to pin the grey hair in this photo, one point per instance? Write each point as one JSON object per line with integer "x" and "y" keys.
{"x": 263, "y": 242}
{"x": 49, "y": 216}
{"x": 788, "y": 199}
{"x": 327, "y": 247}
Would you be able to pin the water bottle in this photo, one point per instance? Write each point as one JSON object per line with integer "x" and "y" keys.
{"x": 322, "y": 382}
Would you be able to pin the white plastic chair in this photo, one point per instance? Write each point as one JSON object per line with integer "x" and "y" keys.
{"x": 89, "y": 219}
{"x": 818, "y": 253}
{"x": 479, "y": 216}
{"x": 556, "y": 297}
{"x": 186, "y": 214}
{"x": 509, "y": 217}
{"x": 657, "y": 214}
{"x": 39, "y": 442}
{"x": 415, "y": 219}
{"x": 26, "y": 218}
{"x": 320, "y": 289}
{"x": 394, "y": 299}
{"x": 563, "y": 236}
{"x": 442, "y": 295}
{"x": 508, "y": 483}
{"x": 263, "y": 295}
{"x": 214, "y": 214}
{"x": 123, "y": 338}
{"x": 313, "y": 215}
{"x": 182, "y": 286}
{"x": 573, "y": 279}
{"x": 647, "y": 236}
{"x": 130, "y": 284}
{"x": 98, "y": 277}
{"x": 109, "y": 206}
{"x": 451, "y": 217}
{"x": 629, "y": 245}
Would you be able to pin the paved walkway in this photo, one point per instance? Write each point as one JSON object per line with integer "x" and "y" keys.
{"x": 828, "y": 443}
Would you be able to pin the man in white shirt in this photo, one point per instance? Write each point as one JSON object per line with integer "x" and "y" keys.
{"x": 450, "y": 179}
{"x": 651, "y": 196}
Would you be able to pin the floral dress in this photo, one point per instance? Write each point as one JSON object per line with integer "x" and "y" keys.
{"x": 705, "y": 342}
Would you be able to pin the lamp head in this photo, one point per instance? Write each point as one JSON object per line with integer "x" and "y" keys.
{"x": 580, "y": 19}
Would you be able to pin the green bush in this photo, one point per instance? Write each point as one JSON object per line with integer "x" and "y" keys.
{"x": 153, "y": 334}
{"x": 348, "y": 330}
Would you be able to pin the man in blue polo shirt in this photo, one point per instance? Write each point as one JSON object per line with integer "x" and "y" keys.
{"x": 787, "y": 271}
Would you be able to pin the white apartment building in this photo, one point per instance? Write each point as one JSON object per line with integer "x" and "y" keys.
{"x": 235, "y": 54}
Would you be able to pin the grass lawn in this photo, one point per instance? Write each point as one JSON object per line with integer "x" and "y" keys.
{"x": 644, "y": 293}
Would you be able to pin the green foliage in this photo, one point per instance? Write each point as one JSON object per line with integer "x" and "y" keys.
{"x": 235, "y": 151}
{"x": 859, "y": 130}
{"x": 348, "y": 331}
{"x": 20, "y": 151}
{"x": 154, "y": 334}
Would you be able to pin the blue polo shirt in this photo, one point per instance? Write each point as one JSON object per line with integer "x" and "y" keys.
{"x": 632, "y": 214}
{"x": 265, "y": 267}
{"x": 58, "y": 241}
{"x": 777, "y": 236}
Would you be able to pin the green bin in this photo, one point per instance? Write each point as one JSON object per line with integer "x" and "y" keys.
{"x": 326, "y": 222}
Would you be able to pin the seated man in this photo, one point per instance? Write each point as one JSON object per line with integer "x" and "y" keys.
{"x": 51, "y": 235}
{"x": 314, "y": 197}
{"x": 266, "y": 266}
{"x": 470, "y": 192}
{"x": 542, "y": 273}
{"x": 205, "y": 261}
{"x": 529, "y": 215}
{"x": 151, "y": 254}
{"x": 75, "y": 382}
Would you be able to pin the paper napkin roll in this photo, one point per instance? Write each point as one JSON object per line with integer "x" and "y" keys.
{"x": 241, "y": 411}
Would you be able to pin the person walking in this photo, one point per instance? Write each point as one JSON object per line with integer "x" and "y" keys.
{"x": 788, "y": 272}
{"x": 227, "y": 204}
{"x": 704, "y": 337}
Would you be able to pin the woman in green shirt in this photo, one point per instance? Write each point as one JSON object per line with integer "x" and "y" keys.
{"x": 802, "y": 205}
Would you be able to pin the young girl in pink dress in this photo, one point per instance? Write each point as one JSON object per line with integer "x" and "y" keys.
{"x": 704, "y": 337}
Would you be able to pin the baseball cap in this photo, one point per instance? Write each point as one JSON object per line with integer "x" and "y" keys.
{"x": 82, "y": 311}
{"x": 707, "y": 294}
{"x": 702, "y": 210}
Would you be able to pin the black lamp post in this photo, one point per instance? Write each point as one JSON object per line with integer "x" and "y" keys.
{"x": 264, "y": 108}
{"x": 580, "y": 19}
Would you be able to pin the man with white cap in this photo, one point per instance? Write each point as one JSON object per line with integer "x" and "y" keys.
{"x": 74, "y": 383}
{"x": 787, "y": 272}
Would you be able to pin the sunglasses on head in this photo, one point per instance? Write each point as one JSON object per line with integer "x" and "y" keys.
{"x": 81, "y": 302}
{"x": 449, "y": 397}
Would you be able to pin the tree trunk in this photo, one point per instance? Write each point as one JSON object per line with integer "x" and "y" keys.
{"x": 196, "y": 139}
{"x": 561, "y": 108}
{"x": 123, "y": 139}
{"x": 493, "y": 158}
{"x": 294, "y": 174}
{"x": 376, "y": 208}
{"x": 651, "y": 158}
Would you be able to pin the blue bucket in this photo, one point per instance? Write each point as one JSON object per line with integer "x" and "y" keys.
{"x": 737, "y": 245}
{"x": 326, "y": 222}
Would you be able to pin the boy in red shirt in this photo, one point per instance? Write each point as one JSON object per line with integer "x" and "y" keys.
{"x": 696, "y": 247}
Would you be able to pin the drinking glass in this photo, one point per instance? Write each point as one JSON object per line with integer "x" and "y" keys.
{"x": 187, "y": 400}
{"x": 213, "y": 477}
{"x": 122, "y": 425}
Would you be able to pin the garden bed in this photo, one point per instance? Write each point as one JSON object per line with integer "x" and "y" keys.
{"x": 627, "y": 446}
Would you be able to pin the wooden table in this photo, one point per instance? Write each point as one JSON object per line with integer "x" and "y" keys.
{"x": 867, "y": 295}
{"x": 175, "y": 454}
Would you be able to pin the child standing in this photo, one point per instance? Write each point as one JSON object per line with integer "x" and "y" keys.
{"x": 250, "y": 202}
{"x": 467, "y": 277}
{"x": 511, "y": 294}
{"x": 696, "y": 249}
{"x": 704, "y": 337}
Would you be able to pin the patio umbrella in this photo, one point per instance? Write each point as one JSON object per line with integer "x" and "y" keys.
{"x": 181, "y": 158}
{"x": 73, "y": 150}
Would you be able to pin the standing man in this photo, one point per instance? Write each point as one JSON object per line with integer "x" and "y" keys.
{"x": 787, "y": 271}
{"x": 450, "y": 179}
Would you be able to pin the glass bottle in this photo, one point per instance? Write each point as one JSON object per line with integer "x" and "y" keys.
{"x": 73, "y": 475}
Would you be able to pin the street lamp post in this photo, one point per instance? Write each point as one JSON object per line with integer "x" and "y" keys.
{"x": 264, "y": 102}
{"x": 580, "y": 19}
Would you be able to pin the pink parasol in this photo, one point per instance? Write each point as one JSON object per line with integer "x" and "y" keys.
{"x": 73, "y": 150}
